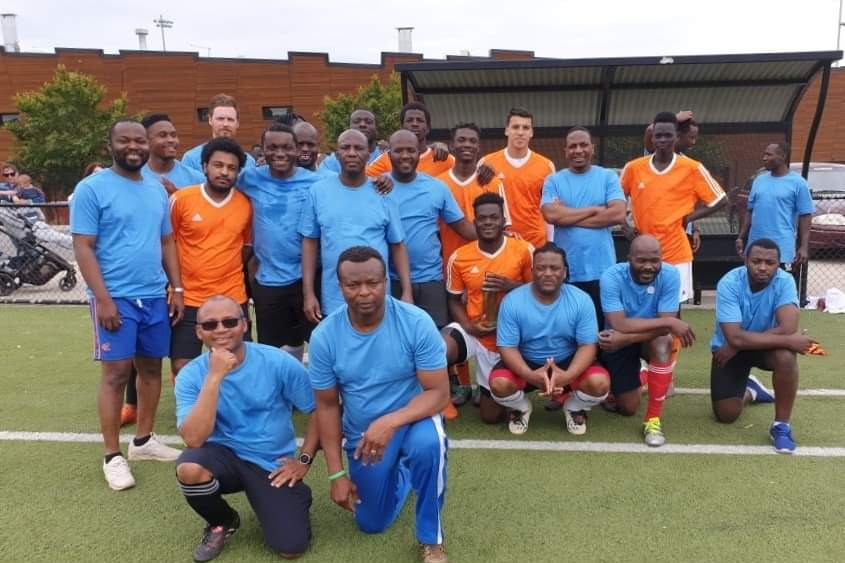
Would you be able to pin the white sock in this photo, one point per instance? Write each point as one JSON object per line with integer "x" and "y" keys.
{"x": 517, "y": 401}
{"x": 295, "y": 351}
{"x": 580, "y": 401}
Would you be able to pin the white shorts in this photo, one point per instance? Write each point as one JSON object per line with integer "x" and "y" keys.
{"x": 685, "y": 269}
{"x": 484, "y": 358}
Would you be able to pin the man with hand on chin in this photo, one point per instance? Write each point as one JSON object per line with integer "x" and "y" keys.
{"x": 233, "y": 409}
{"x": 386, "y": 361}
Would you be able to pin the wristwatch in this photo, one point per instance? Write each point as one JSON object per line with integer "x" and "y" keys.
{"x": 305, "y": 458}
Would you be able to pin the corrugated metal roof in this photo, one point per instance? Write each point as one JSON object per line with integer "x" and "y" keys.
{"x": 500, "y": 78}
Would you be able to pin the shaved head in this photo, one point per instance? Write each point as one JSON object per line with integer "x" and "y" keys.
{"x": 402, "y": 135}
{"x": 219, "y": 303}
{"x": 645, "y": 259}
{"x": 351, "y": 135}
{"x": 645, "y": 243}
{"x": 304, "y": 128}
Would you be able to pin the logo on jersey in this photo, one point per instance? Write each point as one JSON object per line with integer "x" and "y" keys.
{"x": 105, "y": 346}
{"x": 474, "y": 270}
{"x": 641, "y": 185}
{"x": 196, "y": 218}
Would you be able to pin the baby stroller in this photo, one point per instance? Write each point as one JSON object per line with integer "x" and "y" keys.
{"x": 34, "y": 263}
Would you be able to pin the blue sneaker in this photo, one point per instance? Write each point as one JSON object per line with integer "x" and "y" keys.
{"x": 759, "y": 394}
{"x": 781, "y": 435}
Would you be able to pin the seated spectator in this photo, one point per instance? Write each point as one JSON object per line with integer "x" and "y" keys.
{"x": 27, "y": 193}
{"x": 8, "y": 184}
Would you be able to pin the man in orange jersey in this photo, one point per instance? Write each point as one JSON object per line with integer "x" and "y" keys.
{"x": 212, "y": 222}
{"x": 493, "y": 265}
{"x": 666, "y": 189}
{"x": 522, "y": 172}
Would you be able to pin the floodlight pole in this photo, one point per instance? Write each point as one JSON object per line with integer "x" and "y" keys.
{"x": 163, "y": 24}
{"x": 839, "y": 25}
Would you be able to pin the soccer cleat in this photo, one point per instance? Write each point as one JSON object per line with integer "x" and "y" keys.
{"x": 153, "y": 450}
{"x": 759, "y": 393}
{"x": 518, "y": 420}
{"x": 434, "y": 553}
{"x": 118, "y": 475}
{"x": 214, "y": 539}
{"x": 128, "y": 414}
{"x": 652, "y": 433}
{"x": 781, "y": 435}
{"x": 461, "y": 394}
{"x": 576, "y": 422}
{"x": 450, "y": 412}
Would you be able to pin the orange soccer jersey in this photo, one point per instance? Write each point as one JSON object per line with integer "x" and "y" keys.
{"x": 524, "y": 186}
{"x": 427, "y": 164}
{"x": 469, "y": 264}
{"x": 661, "y": 200}
{"x": 210, "y": 237}
{"x": 465, "y": 193}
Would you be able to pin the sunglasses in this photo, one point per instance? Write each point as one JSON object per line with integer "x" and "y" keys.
{"x": 9, "y": 175}
{"x": 228, "y": 322}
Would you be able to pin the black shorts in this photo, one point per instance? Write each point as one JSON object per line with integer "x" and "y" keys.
{"x": 282, "y": 512}
{"x": 428, "y": 296}
{"x": 624, "y": 367}
{"x": 184, "y": 343}
{"x": 280, "y": 316}
{"x": 591, "y": 288}
{"x": 730, "y": 380}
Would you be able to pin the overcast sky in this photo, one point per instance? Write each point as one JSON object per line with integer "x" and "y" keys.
{"x": 349, "y": 33}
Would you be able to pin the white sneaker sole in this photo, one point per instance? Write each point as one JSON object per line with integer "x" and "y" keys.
{"x": 572, "y": 427}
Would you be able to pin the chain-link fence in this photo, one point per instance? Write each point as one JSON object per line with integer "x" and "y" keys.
{"x": 36, "y": 255}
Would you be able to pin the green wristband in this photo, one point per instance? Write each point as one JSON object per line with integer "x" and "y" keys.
{"x": 337, "y": 475}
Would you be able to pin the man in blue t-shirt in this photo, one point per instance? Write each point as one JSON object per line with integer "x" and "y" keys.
{"x": 546, "y": 334}
{"x": 234, "y": 408}
{"x": 583, "y": 202}
{"x": 278, "y": 190}
{"x": 224, "y": 119}
{"x": 757, "y": 326}
{"x": 163, "y": 164}
{"x": 385, "y": 360}
{"x": 343, "y": 211}
{"x": 779, "y": 205}
{"x": 640, "y": 302}
{"x": 122, "y": 237}
{"x": 422, "y": 202}
{"x": 364, "y": 121}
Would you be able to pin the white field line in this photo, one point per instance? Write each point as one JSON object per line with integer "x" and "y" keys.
{"x": 801, "y": 392}
{"x": 508, "y": 445}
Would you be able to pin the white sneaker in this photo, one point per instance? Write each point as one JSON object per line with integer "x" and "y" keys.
{"x": 573, "y": 426}
{"x": 117, "y": 473}
{"x": 152, "y": 450}
{"x": 518, "y": 423}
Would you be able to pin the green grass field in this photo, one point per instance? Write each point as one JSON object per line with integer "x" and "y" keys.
{"x": 508, "y": 506}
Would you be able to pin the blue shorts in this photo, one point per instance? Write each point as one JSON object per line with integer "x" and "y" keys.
{"x": 145, "y": 330}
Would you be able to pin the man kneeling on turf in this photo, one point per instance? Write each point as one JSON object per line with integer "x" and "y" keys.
{"x": 386, "y": 361}
{"x": 757, "y": 326}
{"x": 547, "y": 336}
{"x": 233, "y": 409}
{"x": 640, "y": 303}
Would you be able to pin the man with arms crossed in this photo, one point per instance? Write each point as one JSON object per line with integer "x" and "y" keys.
{"x": 640, "y": 302}
{"x": 126, "y": 284}
{"x": 234, "y": 409}
{"x": 494, "y": 264}
{"x": 343, "y": 211}
{"x": 212, "y": 226}
{"x": 757, "y": 326}
{"x": 386, "y": 362}
{"x": 547, "y": 335}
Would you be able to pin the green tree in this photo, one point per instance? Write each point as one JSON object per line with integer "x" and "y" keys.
{"x": 384, "y": 100}
{"x": 61, "y": 128}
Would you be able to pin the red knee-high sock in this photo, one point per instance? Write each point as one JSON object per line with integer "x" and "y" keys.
{"x": 659, "y": 380}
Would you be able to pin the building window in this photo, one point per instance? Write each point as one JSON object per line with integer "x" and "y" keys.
{"x": 202, "y": 115}
{"x": 8, "y": 118}
{"x": 270, "y": 113}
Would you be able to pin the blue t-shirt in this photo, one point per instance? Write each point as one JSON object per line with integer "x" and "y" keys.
{"x": 180, "y": 175}
{"x": 255, "y": 405}
{"x": 193, "y": 159}
{"x": 589, "y": 251}
{"x": 342, "y": 217}
{"x": 128, "y": 218}
{"x": 376, "y": 372}
{"x": 620, "y": 292}
{"x": 544, "y": 331}
{"x": 331, "y": 165}
{"x": 276, "y": 211}
{"x": 755, "y": 312}
{"x": 421, "y": 203}
{"x": 33, "y": 194}
{"x": 775, "y": 203}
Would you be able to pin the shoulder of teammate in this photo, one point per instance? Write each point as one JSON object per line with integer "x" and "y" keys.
{"x": 543, "y": 162}
{"x": 731, "y": 281}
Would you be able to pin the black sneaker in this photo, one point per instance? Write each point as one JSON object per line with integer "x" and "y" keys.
{"x": 214, "y": 539}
